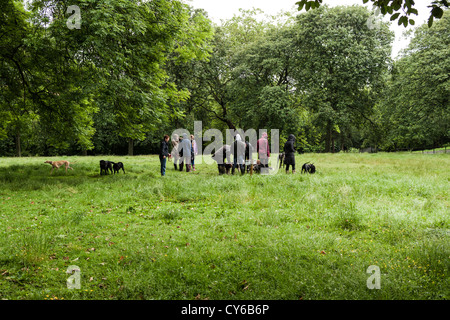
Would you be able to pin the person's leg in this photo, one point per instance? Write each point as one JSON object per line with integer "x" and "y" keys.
{"x": 265, "y": 162}
{"x": 287, "y": 168}
{"x": 163, "y": 166}
{"x": 293, "y": 168}
{"x": 264, "y": 165}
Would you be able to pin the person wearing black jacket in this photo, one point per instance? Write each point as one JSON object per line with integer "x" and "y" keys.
{"x": 164, "y": 154}
{"x": 220, "y": 155}
{"x": 289, "y": 151}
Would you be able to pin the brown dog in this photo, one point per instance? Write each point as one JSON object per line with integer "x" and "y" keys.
{"x": 57, "y": 164}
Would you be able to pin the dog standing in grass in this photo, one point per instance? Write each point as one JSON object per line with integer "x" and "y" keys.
{"x": 117, "y": 166}
{"x": 105, "y": 166}
{"x": 57, "y": 164}
{"x": 281, "y": 158}
{"x": 308, "y": 168}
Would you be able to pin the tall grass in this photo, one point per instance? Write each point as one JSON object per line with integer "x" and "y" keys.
{"x": 199, "y": 235}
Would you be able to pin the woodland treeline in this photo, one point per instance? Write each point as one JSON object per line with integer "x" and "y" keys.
{"x": 136, "y": 70}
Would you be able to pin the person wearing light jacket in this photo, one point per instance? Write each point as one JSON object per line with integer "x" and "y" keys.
{"x": 174, "y": 153}
{"x": 238, "y": 151}
{"x": 184, "y": 149}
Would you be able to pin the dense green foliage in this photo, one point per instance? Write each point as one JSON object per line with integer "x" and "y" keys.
{"x": 199, "y": 235}
{"x": 135, "y": 71}
{"x": 401, "y": 10}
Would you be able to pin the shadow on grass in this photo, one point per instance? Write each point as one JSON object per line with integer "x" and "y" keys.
{"x": 37, "y": 177}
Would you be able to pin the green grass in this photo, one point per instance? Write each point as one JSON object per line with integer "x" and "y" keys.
{"x": 203, "y": 236}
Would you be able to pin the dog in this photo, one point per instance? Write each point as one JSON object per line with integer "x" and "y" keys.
{"x": 308, "y": 168}
{"x": 224, "y": 168}
{"x": 57, "y": 164}
{"x": 280, "y": 160}
{"x": 258, "y": 167}
{"x": 119, "y": 165}
{"x": 105, "y": 166}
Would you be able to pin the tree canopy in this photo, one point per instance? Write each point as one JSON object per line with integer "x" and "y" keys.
{"x": 392, "y": 7}
{"x": 132, "y": 71}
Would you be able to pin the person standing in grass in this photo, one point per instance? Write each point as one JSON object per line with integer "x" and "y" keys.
{"x": 289, "y": 150}
{"x": 194, "y": 151}
{"x": 238, "y": 151}
{"x": 184, "y": 148}
{"x": 262, "y": 147}
{"x": 175, "y": 155}
{"x": 164, "y": 154}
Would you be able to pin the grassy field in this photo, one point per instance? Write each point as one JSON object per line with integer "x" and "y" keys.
{"x": 203, "y": 236}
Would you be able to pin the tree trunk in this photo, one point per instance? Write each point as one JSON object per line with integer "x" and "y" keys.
{"x": 18, "y": 147}
{"x": 332, "y": 143}
{"x": 328, "y": 137}
{"x": 130, "y": 146}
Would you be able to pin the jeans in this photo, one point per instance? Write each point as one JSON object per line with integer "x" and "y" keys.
{"x": 163, "y": 165}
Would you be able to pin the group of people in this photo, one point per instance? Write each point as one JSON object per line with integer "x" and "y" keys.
{"x": 184, "y": 150}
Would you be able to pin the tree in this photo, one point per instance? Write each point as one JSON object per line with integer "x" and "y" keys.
{"x": 415, "y": 106}
{"x": 121, "y": 49}
{"x": 341, "y": 63}
{"x": 391, "y": 6}
{"x": 263, "y": 86}
{"x": 15, "y": 108}
{"x": 219, "y": 73}
{"x": 247, "y": 83}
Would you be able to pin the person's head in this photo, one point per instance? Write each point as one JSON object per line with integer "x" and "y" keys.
{"x": 175, "y": 137}
{"x": 192, "y": 137}
{"x": 264, "y": 135}
{"x": 166, "y": 137}
{"x": 238, "y": 137}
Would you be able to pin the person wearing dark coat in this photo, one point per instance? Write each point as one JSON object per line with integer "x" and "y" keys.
{"x": 220, "y": 155}
{"x": 289, "y": 151}
{"x": 164, "y": 154}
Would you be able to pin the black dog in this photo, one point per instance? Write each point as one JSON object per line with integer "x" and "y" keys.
{"x": 258, "y": 167}
{"x": 117, "y": 166}
{"x": 105, "y": 166}
{"x": 224, "y": 168}
{"x": 281, "y": 157}
{"x": 308, "y": 168}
